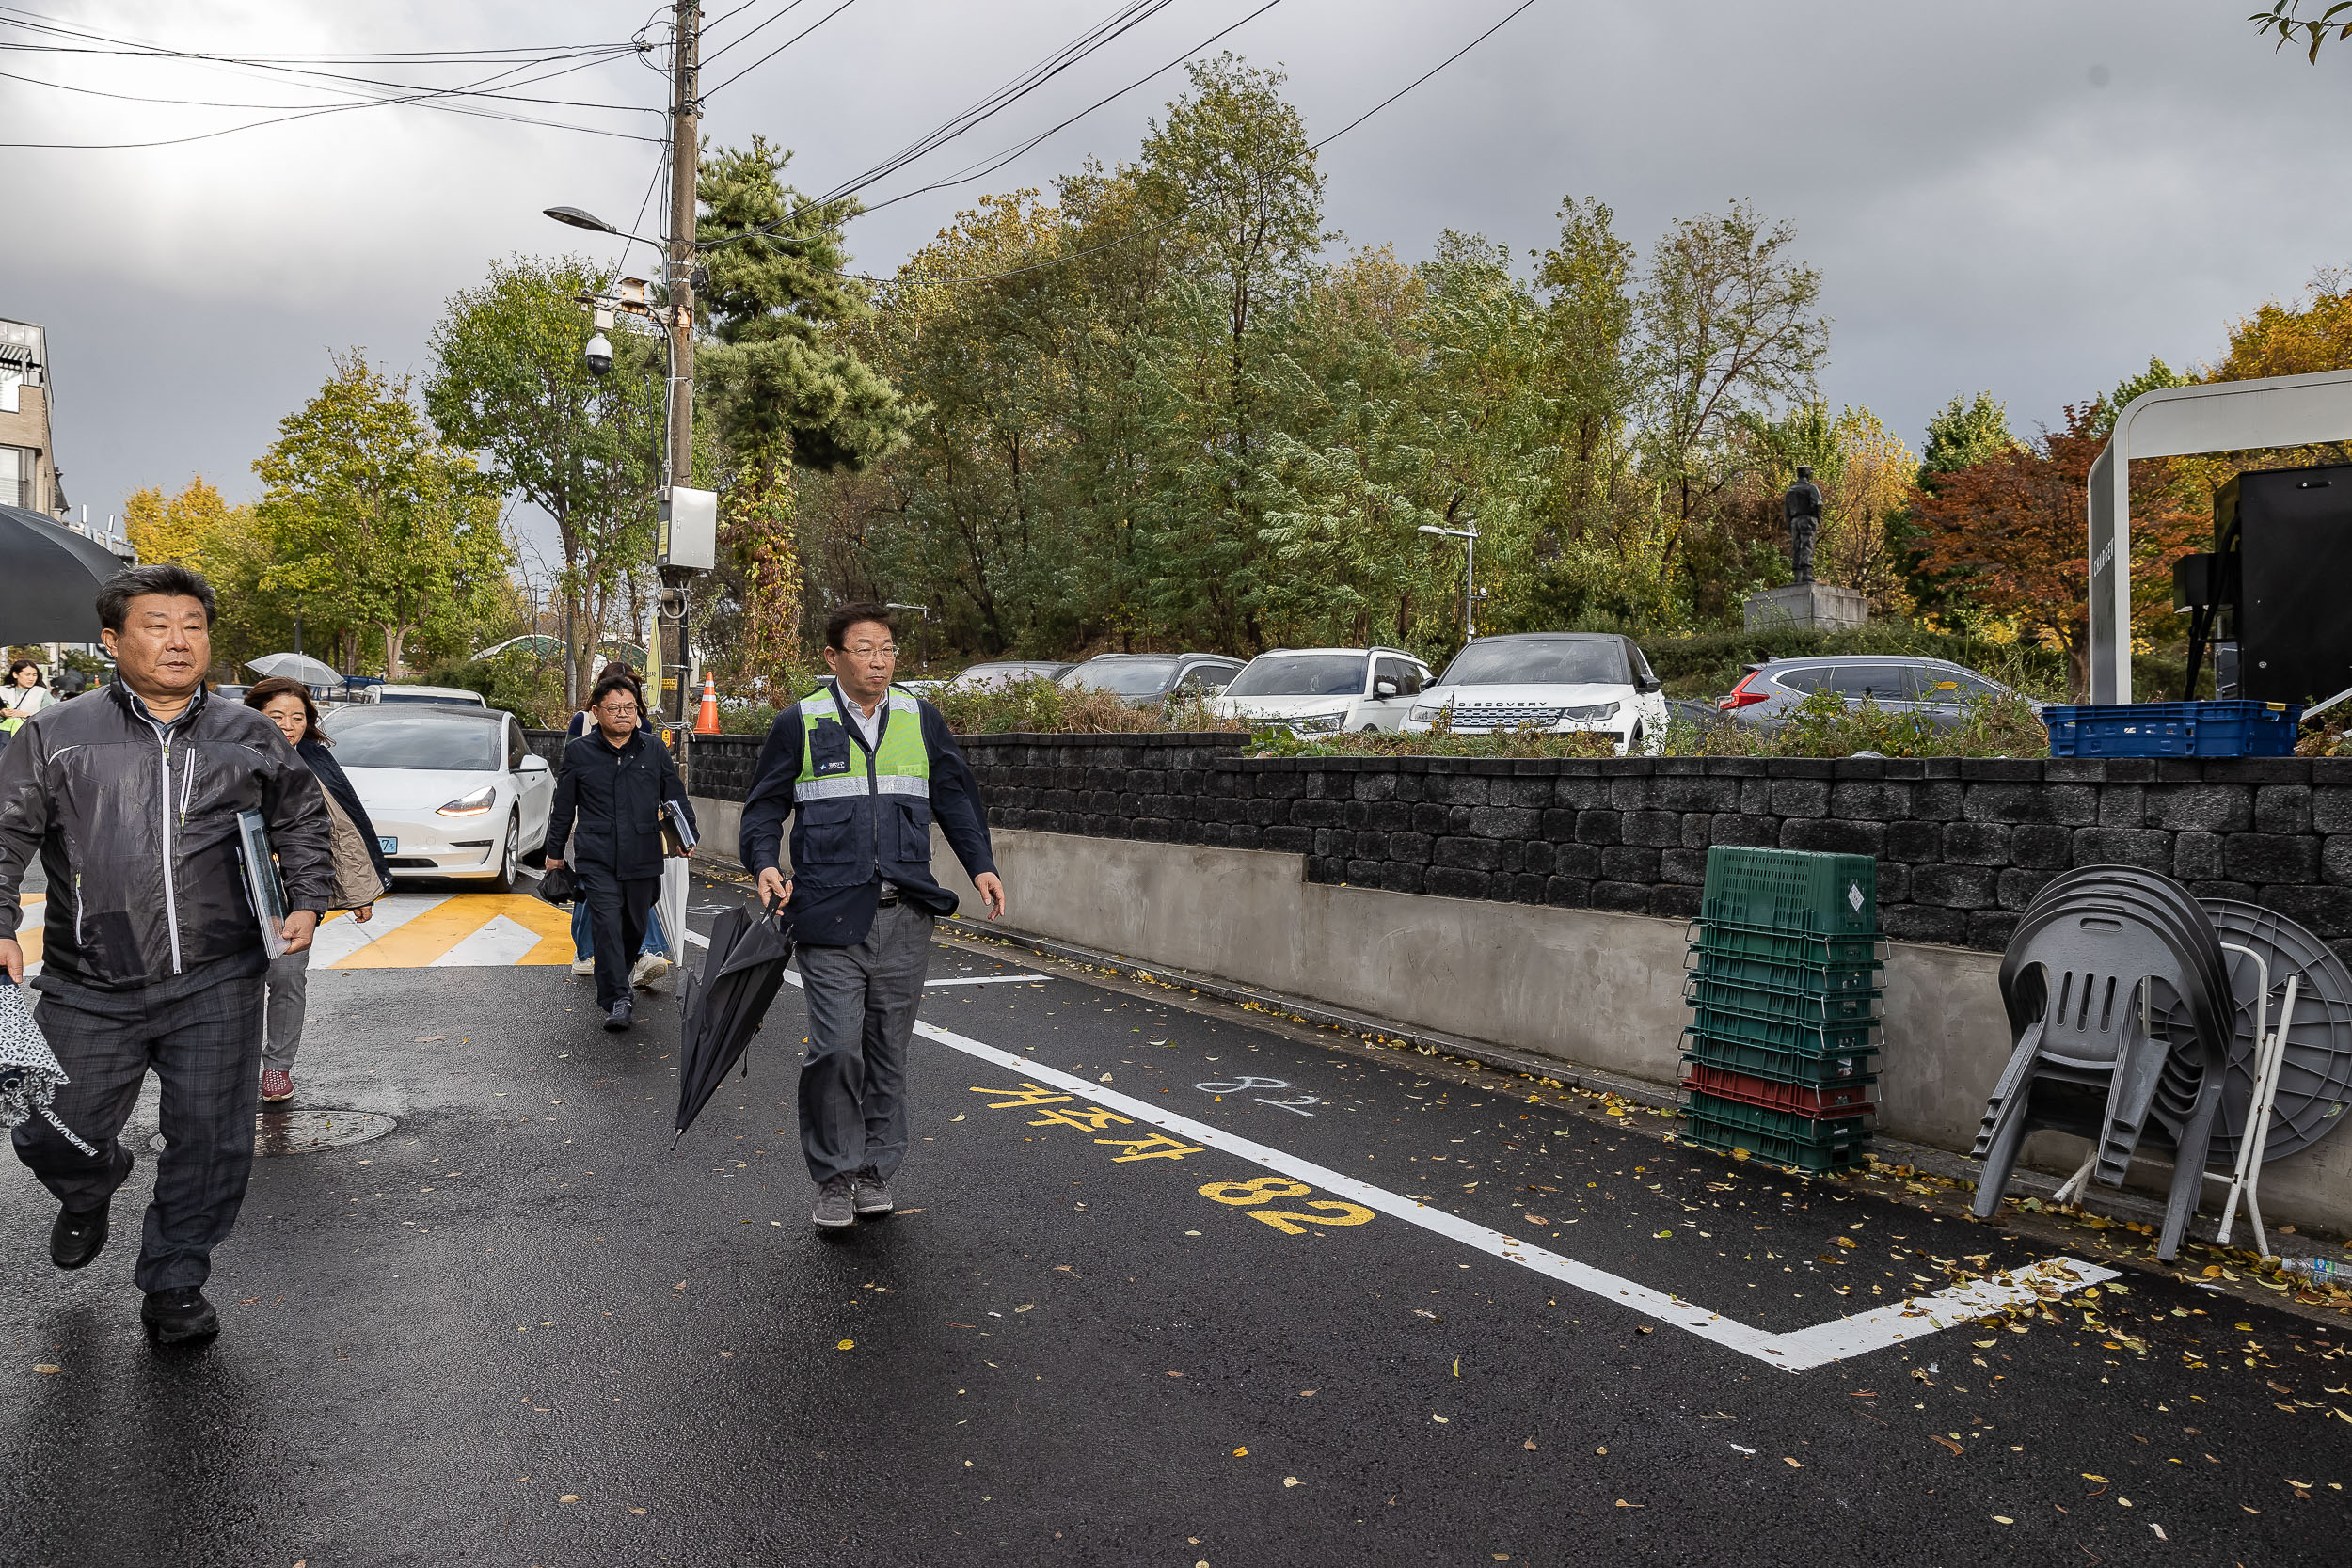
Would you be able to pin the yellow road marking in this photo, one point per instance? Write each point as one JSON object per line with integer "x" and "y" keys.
{"x": 419, "y": 942}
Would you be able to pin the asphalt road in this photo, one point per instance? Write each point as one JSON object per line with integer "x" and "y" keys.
{"x": 1169, "y": 1286}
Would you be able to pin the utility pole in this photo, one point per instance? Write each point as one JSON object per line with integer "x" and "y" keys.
{"x": 685, "y": 164}
{"x": 670, "y": 637}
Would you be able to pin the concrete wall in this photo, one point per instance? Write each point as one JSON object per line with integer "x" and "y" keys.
{"x": 1582, "y": 986}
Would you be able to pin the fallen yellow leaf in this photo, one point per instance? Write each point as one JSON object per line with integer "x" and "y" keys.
{"x": 847, "y": 1344}
{"x": 2101, "y": 1480}
{"x": 1790, "y": 1463}
{"x": 1241, "y": 1453}
{"x": 568, "y": 1497}
{"x": 2003, "y": 1519}
{"x": 47, "y": 1369}
{"x": 1290, "y": 1480}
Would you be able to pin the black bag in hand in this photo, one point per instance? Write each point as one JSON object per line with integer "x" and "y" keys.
{"x": 559, "y": 886}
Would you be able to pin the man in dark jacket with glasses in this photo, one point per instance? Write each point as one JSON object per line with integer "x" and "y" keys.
{"x": 616, "y": 778}
{"x": 151, "y": 954}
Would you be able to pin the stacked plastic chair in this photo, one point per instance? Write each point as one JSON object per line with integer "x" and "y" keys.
{"x": 1782, "y": 1050}
{"x": 2121, "y": 1006}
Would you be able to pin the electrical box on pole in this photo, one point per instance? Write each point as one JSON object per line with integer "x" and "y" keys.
{"x": 687, "y": 537}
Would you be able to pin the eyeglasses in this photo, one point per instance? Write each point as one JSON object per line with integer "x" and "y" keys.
{"x": 618, "y": 710}
{"x": 868, "y": 650}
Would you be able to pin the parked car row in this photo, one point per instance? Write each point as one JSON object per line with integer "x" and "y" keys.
{"x": 1595, "y": 683}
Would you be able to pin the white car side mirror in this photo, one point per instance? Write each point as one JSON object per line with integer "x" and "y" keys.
{"x": 533, "y": 763}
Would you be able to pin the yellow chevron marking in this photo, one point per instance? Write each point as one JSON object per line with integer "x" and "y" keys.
{"x": 418, "y": 941}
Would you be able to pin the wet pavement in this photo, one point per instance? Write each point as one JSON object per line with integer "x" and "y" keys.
{"x": 1169, "y": 1286}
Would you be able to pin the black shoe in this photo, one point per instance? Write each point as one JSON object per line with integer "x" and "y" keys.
{"x": 174, "y": 1317}
{"x": 870, "y": 1196}
{"x": 621, "y": 1016}
{"x": 78, "y": 1238}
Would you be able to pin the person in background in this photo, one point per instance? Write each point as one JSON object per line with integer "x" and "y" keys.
{"x": 151, "y": 956}
{"x": 24, "y": 696}
{"x": 653, "y": 962}
{"x": 287, "y": 704}
{"x": 613, "y": 783}
{"x": 864, "y": 772}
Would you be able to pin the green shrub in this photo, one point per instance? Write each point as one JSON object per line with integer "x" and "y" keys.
{"x": 1041, "y": 707}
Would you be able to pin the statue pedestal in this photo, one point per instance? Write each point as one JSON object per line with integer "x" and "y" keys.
{"x": 1815, "y": 605}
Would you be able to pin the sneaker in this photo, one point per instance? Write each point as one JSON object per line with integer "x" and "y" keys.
{"x": 833, "y": 1210}
{"x": 650, "y": 966}
{"x": 872, "y": 1195}
{"x": 277, "y": 1086}
{"x": 584, "y": 966}
{"x": 78, "y": 1238}
{"x": 175, "y": 1317}
{"x": 620, "y": 1018}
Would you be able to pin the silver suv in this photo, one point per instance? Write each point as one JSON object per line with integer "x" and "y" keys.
{"x": 1937, "y": 688}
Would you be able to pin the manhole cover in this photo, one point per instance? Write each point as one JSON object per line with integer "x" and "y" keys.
{"x": 308, "y": 1132}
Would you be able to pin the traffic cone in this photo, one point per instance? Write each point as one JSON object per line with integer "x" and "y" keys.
{"x": 706, "y": 720}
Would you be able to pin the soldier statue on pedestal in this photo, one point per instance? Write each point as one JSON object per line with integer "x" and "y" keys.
{"x": 1802, "y": 506}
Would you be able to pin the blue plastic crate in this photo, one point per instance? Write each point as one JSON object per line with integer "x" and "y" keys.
{"x": 2173, "y": 729}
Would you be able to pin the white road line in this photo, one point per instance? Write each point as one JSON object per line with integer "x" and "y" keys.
{"x": 993, "y": 980}
{"x": 701, "y": 941}
{"x": 1794, "y": 1351}
{"x": 501, "y": 943}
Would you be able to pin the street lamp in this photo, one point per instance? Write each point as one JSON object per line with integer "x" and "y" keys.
{"x": 1469, "y": 573}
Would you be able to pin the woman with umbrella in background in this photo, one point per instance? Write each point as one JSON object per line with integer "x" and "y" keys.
{"x": 287, "y": 704}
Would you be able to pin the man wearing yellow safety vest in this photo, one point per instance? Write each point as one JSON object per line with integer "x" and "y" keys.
{"x": 864, "y": 770}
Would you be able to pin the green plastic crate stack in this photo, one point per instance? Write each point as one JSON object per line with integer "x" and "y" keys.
{"x": 1784, "y": 994}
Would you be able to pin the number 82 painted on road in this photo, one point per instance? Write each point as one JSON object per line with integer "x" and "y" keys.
{"x": 1262, "y": 1189}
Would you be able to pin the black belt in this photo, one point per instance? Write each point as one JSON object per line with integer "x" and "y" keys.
{"x": 889, "y": 896}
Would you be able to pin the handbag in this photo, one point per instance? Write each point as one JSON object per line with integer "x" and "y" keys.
{"x": 679, "y": 837}
{"x": 357, "y": 883}
{"x": 559, "y": 886}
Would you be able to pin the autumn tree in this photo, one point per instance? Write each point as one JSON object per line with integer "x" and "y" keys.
{"x": 372, "y": 520}
{"x": 1731, "y": 329}
{"x": 2012, "y": 525}
{"x": 511, "y": 381}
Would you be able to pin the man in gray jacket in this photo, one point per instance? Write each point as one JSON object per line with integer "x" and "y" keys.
{"x": 151, "y": 954}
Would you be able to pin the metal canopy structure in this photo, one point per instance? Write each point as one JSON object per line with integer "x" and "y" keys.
{"x": 2181, "y": 422}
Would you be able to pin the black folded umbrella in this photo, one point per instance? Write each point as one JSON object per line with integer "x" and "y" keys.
{"x": 724, "y": 1003}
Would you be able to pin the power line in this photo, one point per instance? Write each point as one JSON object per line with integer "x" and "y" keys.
{"x": 790, "y": 7}
{"x": 420, "y": 100}
{"x": 1424, "y": 75}
{"x": 143, "y": 49}
{"x": 1146, "y": 233}
{"x": 1102, "y": 34}
{"x": 404, "y": 93}
{"x": 996, "y": 161}
{"x": 781, "y": 47}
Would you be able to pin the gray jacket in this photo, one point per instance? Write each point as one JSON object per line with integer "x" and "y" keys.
{"x": 135, "y": 825}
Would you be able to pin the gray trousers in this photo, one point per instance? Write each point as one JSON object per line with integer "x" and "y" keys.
{"x": 203, "y": 1047}
{"x": 860, "y": 1015}
{"x": 289, "y": 981}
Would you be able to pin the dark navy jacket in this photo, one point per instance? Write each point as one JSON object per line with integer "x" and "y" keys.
{"x": 613, "y": 797}
{"x": 841, "y": 855}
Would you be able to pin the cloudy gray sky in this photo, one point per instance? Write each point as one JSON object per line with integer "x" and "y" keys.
{"x": 2029, "y": 196}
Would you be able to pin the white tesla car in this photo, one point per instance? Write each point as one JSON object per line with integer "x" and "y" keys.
{"x": 1562, "y": 682}
{"x": 453, "y": 793}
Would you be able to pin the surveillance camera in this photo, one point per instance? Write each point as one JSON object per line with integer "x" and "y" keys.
{"x": 599, "y": 354}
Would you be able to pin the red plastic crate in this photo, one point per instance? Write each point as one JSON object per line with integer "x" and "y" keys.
{"x": 1803, "y": 1100}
